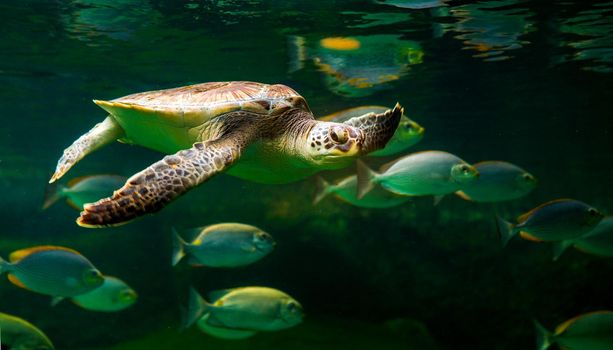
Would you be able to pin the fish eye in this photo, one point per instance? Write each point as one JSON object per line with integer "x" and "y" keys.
{"x": 92, "y": 276}
{"x": 127, "y": 295}
{"x": 339, "y": 135}
{"x": 593, "y": 212}
{"x": 291, "y": 306}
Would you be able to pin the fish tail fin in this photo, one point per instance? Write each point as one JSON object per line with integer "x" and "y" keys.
{"x": 4, "y": 266}
{"x": 178, "y": 247}
{"x": 366, "y": 179}
{"x": 53, "y": 192}
{"x": 559, "y": 248}
{"x": 543, "y": 336}
{"x": 506, "y": 230}
{"x": 196, "y": 308}
{"x": 321, "y": 189}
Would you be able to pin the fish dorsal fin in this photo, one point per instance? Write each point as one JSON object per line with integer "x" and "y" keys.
{"x": 18, "y": 255}
{"x": 14, "y": 280}
{"x": 523, "y": 217}
{"x": 528, "y": 237}
{"x": 218, "y": 294}
{"x": 385, "y": 167}
{"x": 75, "y": 181}
{"x": 564, "y": 326}
{"x": 191, "y": 234}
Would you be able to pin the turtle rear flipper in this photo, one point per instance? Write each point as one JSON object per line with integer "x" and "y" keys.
{"x": 100, "y": 135}
{"x": 151, "y": 189}
{"x": 378, "y": 128}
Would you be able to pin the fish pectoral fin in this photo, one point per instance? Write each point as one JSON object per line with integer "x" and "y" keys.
{"x": 56, "y": 300}
{"x": 463, "y": 195}
{"x": 214, "y": 322}
{"x": 248, "y": 248}
{"x": 194, "y": 262}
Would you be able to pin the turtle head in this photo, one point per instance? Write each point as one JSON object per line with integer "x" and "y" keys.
{"x": 333, "y": 145}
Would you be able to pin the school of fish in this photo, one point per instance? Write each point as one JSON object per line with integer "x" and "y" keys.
{"x": 243, "y": 312}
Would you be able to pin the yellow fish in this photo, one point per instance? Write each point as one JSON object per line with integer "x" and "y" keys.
{"x": 20, "y": 334}
{"x": 56, "y": 271}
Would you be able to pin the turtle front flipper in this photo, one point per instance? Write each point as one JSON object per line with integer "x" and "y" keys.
{"x": 100, "y": 135}
{"x": 151, "y": 189}
{"x": 378, "y": 129}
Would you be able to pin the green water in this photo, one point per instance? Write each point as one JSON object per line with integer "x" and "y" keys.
{"x": 523, "y": 81}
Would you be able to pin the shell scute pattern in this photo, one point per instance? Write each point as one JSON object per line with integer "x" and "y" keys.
{"x": 193, "y": 105}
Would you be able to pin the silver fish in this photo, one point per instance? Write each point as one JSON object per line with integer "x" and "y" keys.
{"x": 590, "y": 331}
{"x": 598, "y": 242}
{"x": 224, "y": 245}
{"x": 419, "y": 174}
{"x": 246, "y": 308}
{"x": 113, "y": 295}
{"x": 81, "y": 190}
{"x": 557, "y": 220}
{"x": 20, "y": 334}
{"x": 345, "y": 190}
{"x": 498, "y": 181}
{"x": 52, "y": 270}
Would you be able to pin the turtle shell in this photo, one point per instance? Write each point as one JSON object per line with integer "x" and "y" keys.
{"x": 193, "y": 105}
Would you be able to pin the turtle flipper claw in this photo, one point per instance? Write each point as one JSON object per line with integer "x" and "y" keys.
{"x": 151, "y": 189}
{"x": 100, "y": 135}
{"x": 378, "y": 128}
{"x": 66, "y": 162}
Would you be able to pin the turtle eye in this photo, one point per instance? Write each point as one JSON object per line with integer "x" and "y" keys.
{"x": 339, "y": 135}
{"x": 528, "y": 177}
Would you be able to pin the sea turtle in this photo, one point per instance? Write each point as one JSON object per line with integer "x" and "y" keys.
{"x": 209, "y": 127}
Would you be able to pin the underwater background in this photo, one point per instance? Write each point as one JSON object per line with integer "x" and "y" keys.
{"x": 528, "y": 82}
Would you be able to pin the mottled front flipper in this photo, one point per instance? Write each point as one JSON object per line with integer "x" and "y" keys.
{"x": 153, "y": 188}
{"x": 100, "y": 135}
{"x": 378, "y": 128}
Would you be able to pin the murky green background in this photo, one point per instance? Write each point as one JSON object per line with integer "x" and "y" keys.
{"x": 524, "y": 81}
